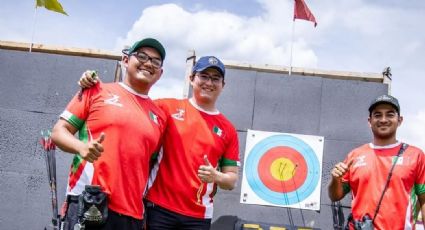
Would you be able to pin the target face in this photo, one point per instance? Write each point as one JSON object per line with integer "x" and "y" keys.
{"x": 282, "y": 170}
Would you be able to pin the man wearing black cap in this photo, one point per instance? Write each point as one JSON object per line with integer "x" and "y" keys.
{"x": 200, "y": 152}
{"x": 386, "y": 177}
{"x": 119, "y": 131}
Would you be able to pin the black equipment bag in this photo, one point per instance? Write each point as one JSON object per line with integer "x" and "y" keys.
{"x": 92, "y": 206}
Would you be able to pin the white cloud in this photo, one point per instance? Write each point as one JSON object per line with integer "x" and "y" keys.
{"x": 412, "y": 130}
{"x": 261, "y": 39}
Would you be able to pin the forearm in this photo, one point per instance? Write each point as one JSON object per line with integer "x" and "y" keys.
{"x": 423, "y": 214}
{"x": 226, "y": 180}
{"x": 421, "y": 202}
{"x": 335, "y": 189}
{"x": 65, "y": 139}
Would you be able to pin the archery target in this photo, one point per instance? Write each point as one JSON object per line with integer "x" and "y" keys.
{"x": 282, "y": 169}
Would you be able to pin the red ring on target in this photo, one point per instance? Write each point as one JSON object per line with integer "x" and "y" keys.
{"x": 282, "y": 169}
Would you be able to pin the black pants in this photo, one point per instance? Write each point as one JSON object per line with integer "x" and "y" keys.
{"x": 159, "y": 218}
{"x": 115, "y": 220}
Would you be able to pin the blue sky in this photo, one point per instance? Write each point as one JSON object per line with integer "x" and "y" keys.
{"x": 352, "y": 35}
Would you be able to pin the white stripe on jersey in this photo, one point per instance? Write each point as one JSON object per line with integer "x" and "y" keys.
{"x": 154, "y": 172}
{"x": 85, "y": 179}
{"x": 206, "y": 201}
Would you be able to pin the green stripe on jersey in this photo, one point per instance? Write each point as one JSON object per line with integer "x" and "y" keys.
{"x": 414, "y": 201}
{"x": 346, "y": 188}
{"x": 74, "y": 120}
{"x": 419, "y": 189}
{"x": 228, "y": 162}
{"x": 84, "y": 137}
{"x": 76, "y": 161}
{"x": 83, "y": 133}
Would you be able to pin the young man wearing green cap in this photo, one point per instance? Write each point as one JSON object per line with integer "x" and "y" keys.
{"x": 200, "y": 152}
{"x": 381, "y": 200}
{"x": 120, "y": 129}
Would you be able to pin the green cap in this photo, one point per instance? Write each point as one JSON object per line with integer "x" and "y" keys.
{"x": 148, "y": 42}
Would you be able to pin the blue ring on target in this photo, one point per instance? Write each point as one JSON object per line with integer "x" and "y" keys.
{"x": 301, "y": 193}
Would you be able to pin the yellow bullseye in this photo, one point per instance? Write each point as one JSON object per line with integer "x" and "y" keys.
{"x": 282, "y": 169}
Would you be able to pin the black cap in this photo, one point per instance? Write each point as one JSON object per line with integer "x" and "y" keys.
{"x": 385, "y": 99}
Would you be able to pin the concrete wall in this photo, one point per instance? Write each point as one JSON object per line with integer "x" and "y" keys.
{"x": 35, "y": 88}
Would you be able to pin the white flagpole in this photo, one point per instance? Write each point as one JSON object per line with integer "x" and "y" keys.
{"x": 292, "y": 42}
{"x": 33, "y": 27}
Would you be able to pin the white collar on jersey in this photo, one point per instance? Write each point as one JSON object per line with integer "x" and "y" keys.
{"x": 385, "y": 146}
{"x": 193, "y": 102}
{"x": 129, "y": 89}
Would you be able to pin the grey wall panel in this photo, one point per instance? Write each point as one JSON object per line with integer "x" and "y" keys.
{"x": 20, "y": 133}
{"x": 34, "y": 90}
{"x": 287, "y": 104}
{"x": 237, "y": 98}
{"x": 344, "y": 108}
{"x": 25, "y": 201}
{"x": 44, "y": 82}
{"x": 25, "y": 194}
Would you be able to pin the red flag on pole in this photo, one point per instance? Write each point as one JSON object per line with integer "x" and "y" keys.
{"x": 301, "y": 11}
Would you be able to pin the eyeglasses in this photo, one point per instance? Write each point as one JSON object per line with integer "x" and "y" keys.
{"x": 143, "y": 57}
{"x": 215, "y": 79}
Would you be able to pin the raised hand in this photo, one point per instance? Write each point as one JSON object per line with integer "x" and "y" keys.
{"x": 88, "y": 79}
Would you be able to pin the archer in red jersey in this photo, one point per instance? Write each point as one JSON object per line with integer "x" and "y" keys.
{"x": 365, "y": 172}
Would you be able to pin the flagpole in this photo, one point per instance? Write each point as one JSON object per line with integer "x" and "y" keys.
{"x": 292, "y": 42}
{"x": 301, "y": 11}
{"x": 33, "y": 27}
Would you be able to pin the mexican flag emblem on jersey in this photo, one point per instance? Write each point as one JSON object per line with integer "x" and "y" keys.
{"x": 153, "y": 117}
{"x": 217, "y": 131}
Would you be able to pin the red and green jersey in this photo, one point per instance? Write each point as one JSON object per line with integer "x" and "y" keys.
{"x": 367, "y": 177}
{"x": 133, "y": 126}
{"x": 191, "y": 133}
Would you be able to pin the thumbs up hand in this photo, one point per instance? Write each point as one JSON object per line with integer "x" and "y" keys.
{"x": 341, "y": 169}
{"x": 206, "y": 172}
{"x": 92, "y": 150}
